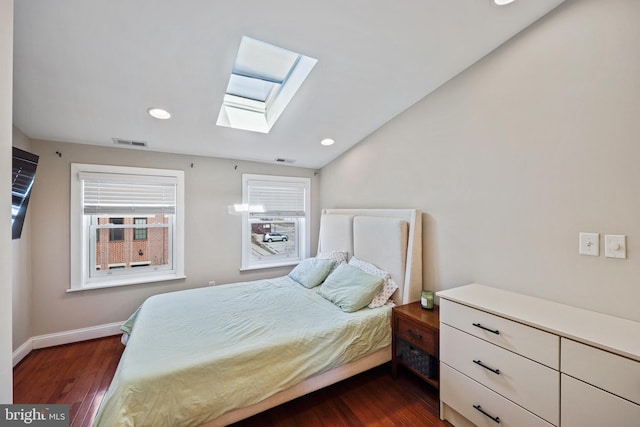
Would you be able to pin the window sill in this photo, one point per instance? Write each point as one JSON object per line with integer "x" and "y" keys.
{"x": 274, "y": 265}
{"x": 127, "y": 282}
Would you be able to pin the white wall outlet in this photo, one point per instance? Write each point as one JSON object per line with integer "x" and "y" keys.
{"x": 615, "y": 246}
{"x": 212, "y": 282}
{"x": 589, "y": 244}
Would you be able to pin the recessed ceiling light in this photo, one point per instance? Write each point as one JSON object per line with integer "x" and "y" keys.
{"x": 159, "y": 113}
{"x": 327, "y": 141}
{"x": 502, "y": 2}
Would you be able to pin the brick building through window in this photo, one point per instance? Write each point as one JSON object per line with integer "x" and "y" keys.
{"x": 129, "y": 246}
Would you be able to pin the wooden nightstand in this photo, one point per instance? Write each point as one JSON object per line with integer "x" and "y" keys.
{"x": 415, "y": 341}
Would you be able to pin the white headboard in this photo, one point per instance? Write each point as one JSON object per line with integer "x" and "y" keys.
{"x": 391, "y": 239}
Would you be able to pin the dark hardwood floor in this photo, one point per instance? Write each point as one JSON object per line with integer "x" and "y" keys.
{"x": 75, "y": 374}
{"x": 79, "y": 374}
{"x": 373, "y": 398}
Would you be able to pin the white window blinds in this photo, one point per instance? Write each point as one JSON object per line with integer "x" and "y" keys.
{"x": 106, "y": 193}
{"x": 272, "y": 198}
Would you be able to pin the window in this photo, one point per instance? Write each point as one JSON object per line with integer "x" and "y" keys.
{"x": 127, "y": 225}
{"x": 140, "y": 233}
{"x": 116, "y": 234}
{"x": 263, "y": 81}
{"x": 276, "y": 220}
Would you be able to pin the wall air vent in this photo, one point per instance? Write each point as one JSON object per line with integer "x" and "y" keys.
{"x": 281, "y": 160}
{"x": 121, "y": 141}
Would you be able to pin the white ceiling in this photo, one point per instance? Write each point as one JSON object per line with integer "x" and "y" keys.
{"x": 87, "y": 71}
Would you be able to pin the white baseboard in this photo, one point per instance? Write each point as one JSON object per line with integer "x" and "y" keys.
{"x": 22, "y": 351}
{"x": 66, "y": 337}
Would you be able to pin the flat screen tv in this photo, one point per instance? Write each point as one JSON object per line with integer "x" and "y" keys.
{"x": 24, "y": 172}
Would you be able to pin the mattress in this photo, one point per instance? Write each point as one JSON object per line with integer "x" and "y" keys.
{"x": 197, "y": 354}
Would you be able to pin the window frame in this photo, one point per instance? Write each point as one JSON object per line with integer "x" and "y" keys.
{"x": 303, "y": 223}
{"x": 82, "y": 239}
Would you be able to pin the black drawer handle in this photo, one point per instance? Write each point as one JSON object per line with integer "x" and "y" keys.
{"x": 415, "y": 335}
{"x": 479, "y": 408}
{"x": 495, "y": 371}
{"x": 493, "y": 331}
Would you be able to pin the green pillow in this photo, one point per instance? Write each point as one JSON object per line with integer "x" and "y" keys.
{"x": 311, "y": 271}
{"x": 350, "y": 288}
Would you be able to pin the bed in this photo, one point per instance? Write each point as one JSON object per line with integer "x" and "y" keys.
{"x": 212, "y": 356}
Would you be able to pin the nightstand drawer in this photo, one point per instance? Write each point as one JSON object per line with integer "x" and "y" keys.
{"x": 413, "y": 333}
{"x": 480, "y": 405}
{"x": 532, "y": 343}
{"x": 525, "y": 382}
{"x": 616, "y": 374}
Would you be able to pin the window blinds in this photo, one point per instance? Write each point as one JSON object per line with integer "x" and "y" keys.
{"x": 106, "y": 193}
{"x": 276, "y": 198}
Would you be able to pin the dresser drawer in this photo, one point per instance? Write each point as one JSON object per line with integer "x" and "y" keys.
{"x": 423, "y": 338}
{"x": 584, "y": 405}
{"x": 533, "y": 343}
{"x": 469, "y": 397}
{"x": 525, "y": 382}
{"x": 616, "y": 374}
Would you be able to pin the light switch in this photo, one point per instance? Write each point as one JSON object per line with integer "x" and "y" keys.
{"x": 615, "y": 246}
{"x": 589, "y": 244}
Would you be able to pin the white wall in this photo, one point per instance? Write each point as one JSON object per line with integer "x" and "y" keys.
{"x": 514, "y": 157}
{"x": 6, "y": 118}
{"x": 21, "y": 268}
{"x": 212, "y": 239}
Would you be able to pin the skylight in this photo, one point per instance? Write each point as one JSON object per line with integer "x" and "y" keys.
{"x": 263, "y": 81}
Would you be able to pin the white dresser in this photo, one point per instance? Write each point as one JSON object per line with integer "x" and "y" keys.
{"x": 507, "y": 359}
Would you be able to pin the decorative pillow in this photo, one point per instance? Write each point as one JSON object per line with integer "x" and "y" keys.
{"x": 311, "y": 271}
{"x": 383, "y": 295}
{"x": 350, "y": 288}
{"x": 338, "y": 256}
{"x": 388, "y": 287}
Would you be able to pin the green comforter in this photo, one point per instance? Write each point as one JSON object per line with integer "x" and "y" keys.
{"x": 197, "y": 354}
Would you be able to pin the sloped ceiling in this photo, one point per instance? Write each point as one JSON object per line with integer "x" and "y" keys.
{"x": 87, "y": 71}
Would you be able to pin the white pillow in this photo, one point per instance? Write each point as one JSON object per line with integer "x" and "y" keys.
{"x": 338, "y": 256}
{"x": 384, "y": 294}
{"x": 388, "y": 286}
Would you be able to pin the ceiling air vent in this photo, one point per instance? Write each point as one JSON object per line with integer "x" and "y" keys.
{"x": 281, "y": 160}
{"x": 121, "y": 141}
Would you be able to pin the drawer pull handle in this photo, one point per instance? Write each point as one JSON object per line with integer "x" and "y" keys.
{"x": 479, "y": 408}
{"x": 415, "y": 335}
{"x": 495, "y": 371}
{"x": 493, "y": 331}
